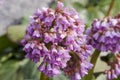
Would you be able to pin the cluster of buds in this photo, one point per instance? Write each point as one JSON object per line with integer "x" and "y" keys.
{"x": 104, "y": 34}
{"x": 56, "y": 38}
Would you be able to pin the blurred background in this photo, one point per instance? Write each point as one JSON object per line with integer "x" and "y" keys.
{"x": 14, "y": 18}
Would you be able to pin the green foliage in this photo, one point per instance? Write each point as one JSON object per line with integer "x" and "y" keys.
{"x": 13, "y": 65}
{"x": 60, "y": 77}
{"x": 93, "y": 78}
{"x": 18, "y": 70}
{"x": 101, "y": 77}
{"x": 8, "y": 71}
{"x": 78, "y": 5}
{"x": 117, "y": 78}
{"x": 6, "y": 43}
{"x": 16, "y": 32}
{"x": 30, "y": 71}
{"x": 108, "y": 58}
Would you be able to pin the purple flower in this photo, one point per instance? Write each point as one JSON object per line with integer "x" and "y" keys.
{"x": 104, "y": 35}
{"x": 114, "y": 71}
{"x": 81, "y": 65}
{"x": 56, "y": 37}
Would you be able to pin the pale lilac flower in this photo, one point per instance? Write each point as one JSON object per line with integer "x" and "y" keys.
{"x": 104, "y": 35}
{"x": 56, "y": 38}
{"x": 114, "y": 71}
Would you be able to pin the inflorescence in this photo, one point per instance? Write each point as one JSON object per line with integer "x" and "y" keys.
{"x": 104, "y": 35}
{"x": 56, "y": 38}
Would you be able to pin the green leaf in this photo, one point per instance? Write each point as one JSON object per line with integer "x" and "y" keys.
{"x": 84, "y": 78}
{"x": 17, "y": 32}
{"x": 25, "y": 20}
{"x": 8, "y": 70}
{"x": 77, "y": 5}
{"x": 101, "y": 77}
{"x": 103, "y": 3}
{"x": 5, "y": 57}
{"x": 108, "y": 58}
{"x": 60, "y": 77}
{"x": 93, "y": 12}
{"x": 93, "y": 2}
{"x": 118, "y": 78}
{"x": 30, "y": 71}
{"x": 101, "y": 66}
{"x": 6, "y": 43}
{"x": 116, "y": 8}
{"x": 14, "y": 70}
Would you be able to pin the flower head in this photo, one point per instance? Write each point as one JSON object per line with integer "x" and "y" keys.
{"x": 57, "y": 37}
{"x": 114, "y": 71}
{"x": 104, "y": 35}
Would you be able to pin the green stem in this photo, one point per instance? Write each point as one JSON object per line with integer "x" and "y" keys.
{"x": 43, "y": 77}
{"x": 93, "y": 60}
{"x": 110, "y": 8}
{"x": 96, "y": 52}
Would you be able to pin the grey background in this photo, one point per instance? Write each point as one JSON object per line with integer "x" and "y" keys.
{"x": 11, "y": 11}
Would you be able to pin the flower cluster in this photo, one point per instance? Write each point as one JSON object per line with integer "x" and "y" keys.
{"x": 81, "y": 65}
{"x": 56, "y": 38}
{"x": 104, "y": 35}
{"x": 114, "y": 72}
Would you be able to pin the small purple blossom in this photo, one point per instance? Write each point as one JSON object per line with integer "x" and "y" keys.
{"x": 81, "y": 65}
{"x": 104, "y": 35}
{"x": 114, "y": 71}
{"x": 57, "y": 38}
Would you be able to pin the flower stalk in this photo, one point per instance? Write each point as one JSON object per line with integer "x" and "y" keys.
{"x": 110, "y": 8}
{"x": 43, "y": 77}
{"x": 93, "y": 60}
{"x": 97, "y": 52}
